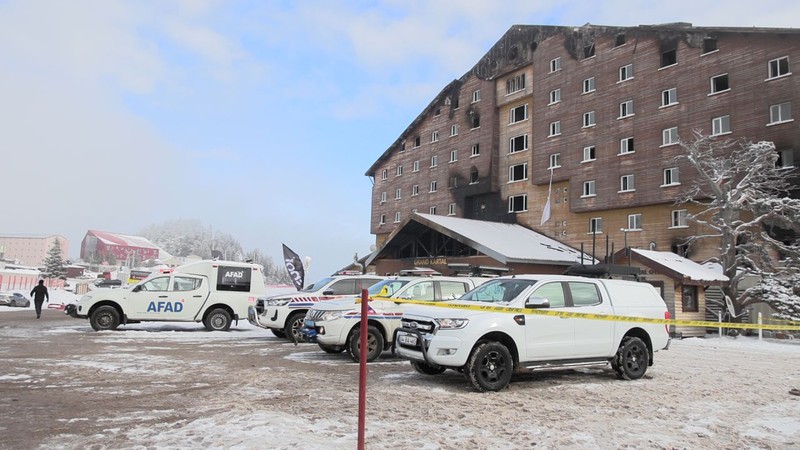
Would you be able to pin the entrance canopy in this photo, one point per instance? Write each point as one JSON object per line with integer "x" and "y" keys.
{"x": 425, "y": 235}
{"x": 679, "y": 268}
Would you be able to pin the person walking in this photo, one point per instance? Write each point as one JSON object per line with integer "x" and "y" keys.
{"x": 39, "y": 294}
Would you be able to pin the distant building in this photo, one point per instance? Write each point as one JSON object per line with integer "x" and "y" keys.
{"x": 122, "y": 246}
{"x": 30, "y": 249}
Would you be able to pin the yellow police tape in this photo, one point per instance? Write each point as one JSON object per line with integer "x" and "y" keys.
{"x": 589, "y": 316}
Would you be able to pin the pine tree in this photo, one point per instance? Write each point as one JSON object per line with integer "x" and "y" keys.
{"x": 53, "y": 263}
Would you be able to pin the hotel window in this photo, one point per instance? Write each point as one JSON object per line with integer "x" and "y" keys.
{"x": 398, "y": 194}
{"x": 555, "y": 96}
{"x": 555, "y": 161}
{"x": 595, "y": 225}
{"x": 782, "y": 112}
{"x": 721, "y": 125}
{"x": 588, "y": 153}
{"x": 588, "y": 51}
{"x": 785, "y": 158}
{"x": 515, "y": 84}
{"x": 432, "y": 210}
{"x": 476, "y": 96}
{"x": 453, "y": 130}
{"x": 619, "y": 40}
{"x": 518, "y": 172}
{"x": 518, "y": 143}
{"x": 434, "y": 186}
{"x": 779, "y": 67}
{"x": 417, "y": 141}
{"x": 415, "y": 190}
{"x": 669, "y": 97}
{"x": 473, "y": 176}
{"x": 626, "y": 72}
{"x": 453, "y": 156}
{"x": 415, "y": 167}
{"x": 451, "y": 209}
{"x": 474, "y": 120}
{"x": 476, "y": 150}
{"x": 588, "y": 119}
{"x": 634, "y": 222}
{"x": 588, "y": 189}
{"x": 382, "y": 219}
{"x": 626, "y": 146}
{"x": 518, "y": 114}
{"x": 555, "y": 128}
{"x": 709, "y": 45}
{"x": 518, "y": 203}
{"x": 383, "y": 197}
{"x": 588, "y": 85}
{"x": 719, "y": 83}
{"x": 398, "y": 171}
{"x": 434, "y": 160}
{"x": 397, "y": 217}
{"x": 626, "y": 183}
{"x": 555, "y": 65}
{"x": 669, "y": 136}
{"x": 435, "y": 136}
{"x": 626, "y": 109}
{"x": 384, "y": 174}
{"x": 679, "y": 218}
{"x": 669, "y": 58}
{"x": 671, "y": 177}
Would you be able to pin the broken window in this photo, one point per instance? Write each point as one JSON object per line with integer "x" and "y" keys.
{"x": 669, "y": 58}
{"x": 709, "y": 45}
{"x": 719, "y": 83}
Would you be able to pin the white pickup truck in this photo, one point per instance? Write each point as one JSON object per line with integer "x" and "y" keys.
{"x": 212, "y": 292}
{"x": 489, "y": 346}
{"x": 335, "y": 325}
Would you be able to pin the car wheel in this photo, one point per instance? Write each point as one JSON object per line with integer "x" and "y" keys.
{"x": 105, "y": 318}
{"x": 374, "y": 343}
{"x": 489, "y": 367}
{"x": 13, "y": 303}
{"x": 27, "y": 304}
{"x": 427, "y": 369}
{"x": 218, "y": 320}
{"x": 632, "y": 359}
{"x": 278, "y": 333}
{"x": 331, "y": 348}
{"x": 293, "y": 324}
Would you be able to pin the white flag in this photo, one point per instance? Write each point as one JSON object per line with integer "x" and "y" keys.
{"x": 546, "y": 210}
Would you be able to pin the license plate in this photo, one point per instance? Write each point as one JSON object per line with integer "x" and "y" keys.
{"x": 309, "y": 323}
{"x": 407, "y": 339}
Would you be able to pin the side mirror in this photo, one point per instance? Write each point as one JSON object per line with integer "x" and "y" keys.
{"x": 537, "y": 303}
{"x": 137, "y": 288}
{"x": 329, "y": 292}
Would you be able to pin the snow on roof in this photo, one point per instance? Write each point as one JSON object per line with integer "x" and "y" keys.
{"x": 686, "y": 267}
{"x": 509, "y": 243}
{"x": 123, "y": 239}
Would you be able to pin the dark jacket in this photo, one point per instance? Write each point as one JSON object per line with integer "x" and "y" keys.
{"x": 39, "y": 293}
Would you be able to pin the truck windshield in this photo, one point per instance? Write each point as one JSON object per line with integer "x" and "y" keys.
{"x": 386, "y": 288}
{"x": 317, "y": 286}
{"x": 497, "y": 291}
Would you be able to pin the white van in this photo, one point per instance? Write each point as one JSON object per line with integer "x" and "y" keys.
{"x": 212, "y": 292}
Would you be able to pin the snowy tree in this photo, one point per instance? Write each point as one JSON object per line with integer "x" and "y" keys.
{"x": 273, "y": 273}
{"x": 743, "y": 199}
{"x": 53, "y": 263}
{"x": 782, "y": 292}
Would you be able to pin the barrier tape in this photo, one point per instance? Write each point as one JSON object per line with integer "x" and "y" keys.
{"x": 590, "y": 316}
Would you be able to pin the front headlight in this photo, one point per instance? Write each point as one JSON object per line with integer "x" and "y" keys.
{"x": 277, "y": 301}
{"x": 450, "y": 324}
{"x": 331, "y": 315}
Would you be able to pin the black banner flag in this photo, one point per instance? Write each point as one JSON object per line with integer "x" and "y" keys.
{"x": 294, "y": 266}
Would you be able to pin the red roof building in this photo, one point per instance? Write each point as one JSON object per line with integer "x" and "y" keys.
{"x": 120, "y": 245}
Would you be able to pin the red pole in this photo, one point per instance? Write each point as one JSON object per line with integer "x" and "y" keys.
{"x": 362, "y": 371}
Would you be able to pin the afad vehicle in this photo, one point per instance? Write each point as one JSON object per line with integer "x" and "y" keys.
{"x": 212, "y": 292}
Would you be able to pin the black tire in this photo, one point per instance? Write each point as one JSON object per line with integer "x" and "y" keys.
{"x": 632, "y": 359}
{"x": 331, "y": 348}
{"x": 374, "y": 343}
{"x": 104, "y": 318}
{"x": 218, "y": 320}
{"x": 278, "y": 333}
{"x": 293, "y": 324}
{"x": 489, "y": 367}
{"x": 427, "y": 369}
{"x": 13, "y": 304}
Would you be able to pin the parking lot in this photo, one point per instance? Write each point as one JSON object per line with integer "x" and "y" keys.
{"x": 63, "y": 385}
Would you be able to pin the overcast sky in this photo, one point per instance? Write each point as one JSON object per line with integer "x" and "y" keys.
{"x": 258, "y": 118}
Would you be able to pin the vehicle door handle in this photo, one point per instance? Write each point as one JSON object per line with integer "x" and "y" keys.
{"x": 162, "y": 296}
{"x": 197, "y": 296}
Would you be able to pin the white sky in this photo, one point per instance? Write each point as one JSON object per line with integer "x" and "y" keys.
{"x": 257, "y": 118}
